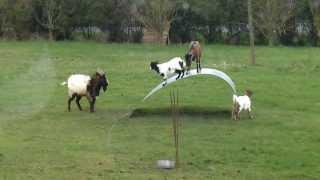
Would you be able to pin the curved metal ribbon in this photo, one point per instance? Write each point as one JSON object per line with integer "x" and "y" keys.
{"x": 193, "y": 72}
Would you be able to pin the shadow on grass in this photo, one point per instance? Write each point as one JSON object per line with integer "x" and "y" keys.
{"x": 203, "y": 112}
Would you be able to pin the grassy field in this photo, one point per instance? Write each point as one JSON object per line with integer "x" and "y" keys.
{"x": 39, "y": 139}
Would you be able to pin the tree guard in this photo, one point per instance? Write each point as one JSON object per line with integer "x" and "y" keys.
{"x": 193, "y": 72}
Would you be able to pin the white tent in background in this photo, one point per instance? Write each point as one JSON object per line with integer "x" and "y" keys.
{"x": 204, "y": 71}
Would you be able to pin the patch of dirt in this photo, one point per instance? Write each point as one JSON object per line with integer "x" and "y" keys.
{"x": 185, "y": 111}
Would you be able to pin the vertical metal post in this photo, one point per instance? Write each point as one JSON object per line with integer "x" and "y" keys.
{"x": 176, "y": 123}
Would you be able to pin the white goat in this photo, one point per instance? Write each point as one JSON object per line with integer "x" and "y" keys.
{"x": 241, "y": 103}
{"x": 80, "y": 85}
{"x": 174, "y": 66}
{"x": 77, "y": 84}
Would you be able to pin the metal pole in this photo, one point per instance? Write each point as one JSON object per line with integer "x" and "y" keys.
{"x": 174, "y": 100}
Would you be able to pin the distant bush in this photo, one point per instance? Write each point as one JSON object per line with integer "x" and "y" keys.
{"x": 136, "y": 37}
{"x": 101, "y": 37}
{"x": 200, "y": 37}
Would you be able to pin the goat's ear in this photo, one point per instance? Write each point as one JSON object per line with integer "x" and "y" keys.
{"x": 249, "y": 92}
{"x": 98, "y": 74}
{"x": 100, "y": 71}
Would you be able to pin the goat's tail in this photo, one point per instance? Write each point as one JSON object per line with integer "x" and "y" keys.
{"x": 234, "y": 98}
{"x": 63, "y": 83}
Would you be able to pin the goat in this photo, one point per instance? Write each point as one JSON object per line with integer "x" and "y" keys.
{"x": 174, "y": 66}
{"x": 242, "y": 103}
{"x": 194, "y": 53}
{"x": 80, "y": 85}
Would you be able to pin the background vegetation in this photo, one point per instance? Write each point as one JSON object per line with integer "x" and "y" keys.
{"x": 288, "y": 22}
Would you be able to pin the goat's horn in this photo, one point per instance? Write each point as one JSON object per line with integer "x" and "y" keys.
{"x": 100, "y": 71}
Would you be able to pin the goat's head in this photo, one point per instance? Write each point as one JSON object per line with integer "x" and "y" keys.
{"x": 249, "y": 93}
{"x": 154, "y": 66}
{"x": 101, "y": 82}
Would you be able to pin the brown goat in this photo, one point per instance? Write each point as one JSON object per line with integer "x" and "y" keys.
{"x": 194, "y": 54}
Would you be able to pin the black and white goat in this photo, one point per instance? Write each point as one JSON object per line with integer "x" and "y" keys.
{"x": 242, "y": 103}
{"x": 168, "y": 69}
{"x": 194, "y": 53}
{"x": 80, "y": 85}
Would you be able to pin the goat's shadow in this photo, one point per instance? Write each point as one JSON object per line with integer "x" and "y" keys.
{"x": 203, "y": 112}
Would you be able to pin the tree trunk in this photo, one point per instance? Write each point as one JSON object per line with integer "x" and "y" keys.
{"x": 165, "y": 34}
{"x": 317, "y": 23}
{"x": 159, "y": 37}
{"x": 270, "y": 41}
{"x": 273, "y": 38}
{"x": 251, "y": 29}
{"x": 51, "y": 35}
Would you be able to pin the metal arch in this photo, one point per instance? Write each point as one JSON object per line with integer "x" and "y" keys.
{"x": 204, "y": 71}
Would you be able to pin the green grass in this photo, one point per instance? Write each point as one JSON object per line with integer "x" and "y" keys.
{"x": 39, "y": 139}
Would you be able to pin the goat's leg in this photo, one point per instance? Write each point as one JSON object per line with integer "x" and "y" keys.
{"x": 179, "y": 72}
{"x": 78, "y": 102}
{"x": 92, "y": 104}
{"x": 232, "y": 114}
{"x": 188, "y": 68}
{"x": 232, "y": 111}
{"x": 235, "y": 112}
{"x": 182, "y": 73}
{"x": 165, "y": 83}
{"x": 70, "y": 100}
{"x": 238, "y": 115}
{"x": 249, "y": 113}
{"x": 197, "y": 67}
{"x": 90, "y": 99}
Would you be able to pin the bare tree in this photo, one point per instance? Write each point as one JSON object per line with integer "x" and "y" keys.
{"x": 251, "y": 29}
{"x": 156, "y": 16}
{"x": 3, "y": 15}
{"x": 15, "y": 18}
{"x": 48, "y": 13}
{"x": 270, "y": 17}
{"x": 315, "y": 9}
